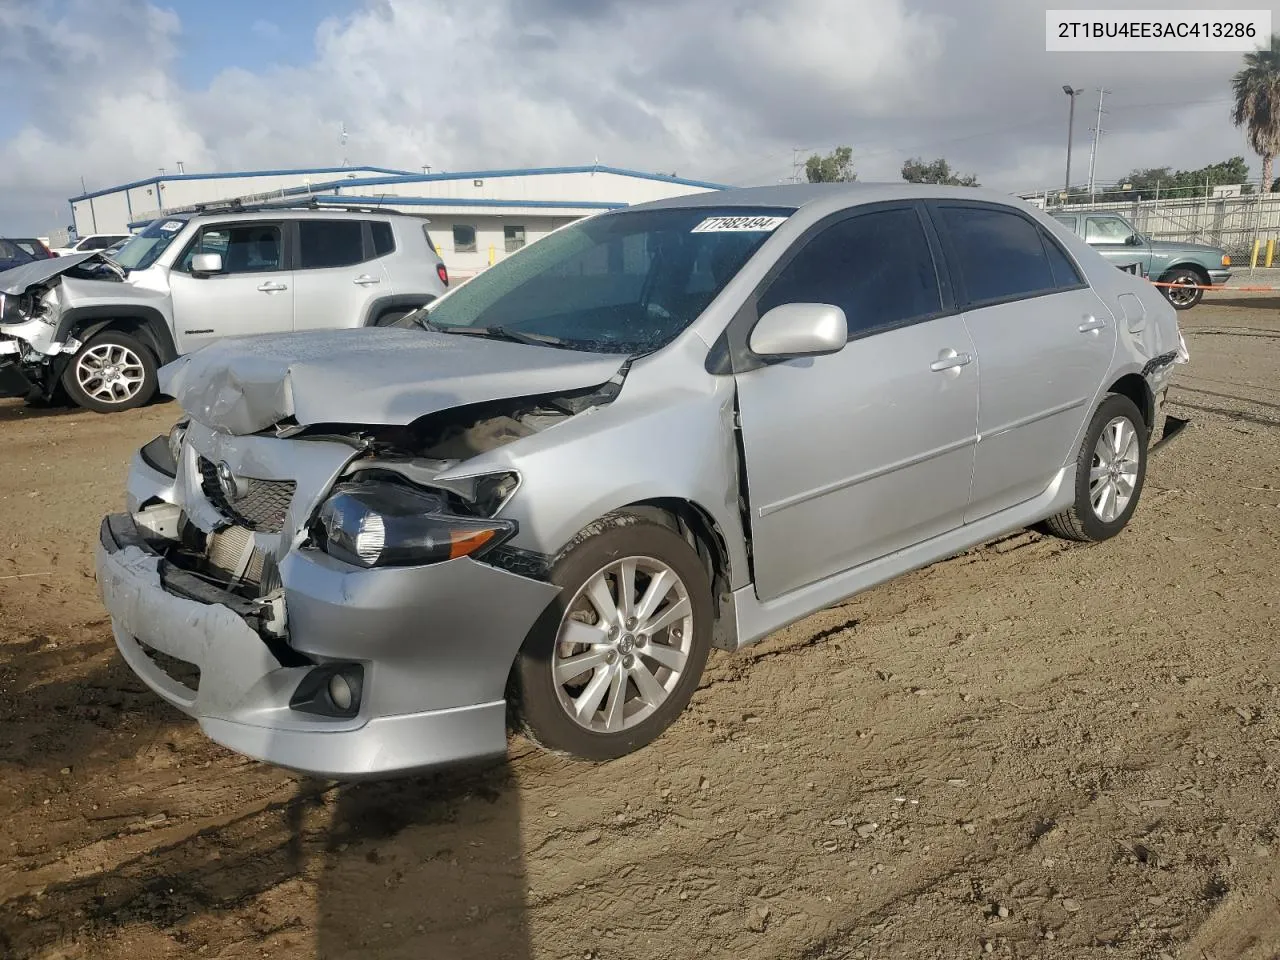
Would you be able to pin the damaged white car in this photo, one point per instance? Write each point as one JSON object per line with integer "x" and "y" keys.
{"x": 96, "y": 326}
{"x": 682, "y": 425}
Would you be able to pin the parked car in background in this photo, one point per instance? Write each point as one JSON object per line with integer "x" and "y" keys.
{"x": 1187, "y": 265}
{"x": 91, "y": 243}
{"x": 681, "y": 425}
{"x": 33, "y": 246}
{"x": 12, "y": 254}
{"x": 99, "y": 326}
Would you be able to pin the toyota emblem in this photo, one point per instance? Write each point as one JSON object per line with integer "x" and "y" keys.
{"x": 232, "y": 487}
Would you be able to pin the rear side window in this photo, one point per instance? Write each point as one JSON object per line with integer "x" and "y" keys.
{"x": 876, "y": 267}
{"x": 1065, "y": 273}
{"x": 999, "y": 254}
{"x": 1068, "y": 222}
{"x": 384, "y": 241}
{"x": 329, "y": 243}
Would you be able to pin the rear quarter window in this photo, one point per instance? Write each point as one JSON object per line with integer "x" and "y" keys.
{"x": 384, "y": 240}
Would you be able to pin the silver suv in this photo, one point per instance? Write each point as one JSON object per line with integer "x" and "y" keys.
{"x": 99, "y": 325}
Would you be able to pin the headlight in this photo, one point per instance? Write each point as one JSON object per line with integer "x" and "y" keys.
{"x": 385, "y": 524}
{"x": 176, "y": 434}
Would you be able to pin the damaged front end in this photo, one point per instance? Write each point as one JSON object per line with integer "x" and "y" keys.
{"x": 34, "y": 341}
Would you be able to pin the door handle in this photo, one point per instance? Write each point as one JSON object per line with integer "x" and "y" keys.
{"x": 365, "y": 280}
{"x": 1091, "y": 324}
{"x": 272, "y": 287}
{"x": 950, "y": 360}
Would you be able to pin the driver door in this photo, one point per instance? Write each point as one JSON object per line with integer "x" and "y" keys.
{"x": 253, "y": 293}
{"x": 861, "y": 453}
{"x": 1109, "y": 235}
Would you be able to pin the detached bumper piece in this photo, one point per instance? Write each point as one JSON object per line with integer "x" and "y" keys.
{"x": 13, "y": 382}
{"x": 1173, "y": 427}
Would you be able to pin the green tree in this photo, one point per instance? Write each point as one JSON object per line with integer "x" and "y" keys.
{"x": 835, "y": 167}
{"x": 1183, "y": 183}
{"x": 1257, "y": 102}
{"x": 916, "y": 170}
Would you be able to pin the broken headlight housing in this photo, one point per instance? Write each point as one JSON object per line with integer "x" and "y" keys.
{"x": 382, "y": 523}
{"x": 177, "y": 433}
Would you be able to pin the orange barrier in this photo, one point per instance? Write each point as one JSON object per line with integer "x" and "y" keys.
{"x": 1219, "y": 288}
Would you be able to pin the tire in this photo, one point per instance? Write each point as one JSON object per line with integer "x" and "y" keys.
{"x": 1183, "y": 299}
{"x": 653, "y": 691}
{"x": 1083, "y": 520}
{"x": 120, "y": 355}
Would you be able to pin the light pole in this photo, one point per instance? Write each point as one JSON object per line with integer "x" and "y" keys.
{"x": 1071, "y": 122}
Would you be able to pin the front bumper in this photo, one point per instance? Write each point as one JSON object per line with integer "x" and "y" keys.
{"x": 13, "y": 380}
{"x": 435, "y": 643}
{"x": 1219, "y": 277}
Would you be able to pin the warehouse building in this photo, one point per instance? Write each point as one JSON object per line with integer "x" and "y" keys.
{"x": 476, "y": 217}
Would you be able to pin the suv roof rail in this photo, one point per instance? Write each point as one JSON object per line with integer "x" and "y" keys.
{"x": 271, "y": 201}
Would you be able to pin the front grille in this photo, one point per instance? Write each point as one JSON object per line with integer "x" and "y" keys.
{"x": 263, "y": 507}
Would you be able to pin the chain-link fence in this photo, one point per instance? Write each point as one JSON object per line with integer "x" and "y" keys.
{"x": 1233, "y": 223}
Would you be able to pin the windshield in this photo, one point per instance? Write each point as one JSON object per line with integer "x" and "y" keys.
{"x": 625, "y": 282}
{"x": 143, "y": 249}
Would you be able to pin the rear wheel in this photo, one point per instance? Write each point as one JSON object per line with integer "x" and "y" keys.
{"x": 1110, "y": 470}
{"x": 112, "y": 372}
{"x": 1187, "y": 293}
{"x": 617, "y": 656}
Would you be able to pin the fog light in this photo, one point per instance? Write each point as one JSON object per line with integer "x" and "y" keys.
{"x": 330, "y": 690}
{"x": 340, "y": 692}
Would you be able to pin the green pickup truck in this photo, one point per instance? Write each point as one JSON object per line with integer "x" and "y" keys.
{"x": 1193, "y": 264}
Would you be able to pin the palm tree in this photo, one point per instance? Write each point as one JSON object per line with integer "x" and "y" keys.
{"x": 1257, "y": 108}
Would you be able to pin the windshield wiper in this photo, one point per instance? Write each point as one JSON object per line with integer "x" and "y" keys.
{"x": 504, "y": 333}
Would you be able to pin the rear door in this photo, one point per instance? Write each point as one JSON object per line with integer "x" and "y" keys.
{"x": 253, "y": 294}
{"x": 861, "y": 453}
{"x": 339, "y": 274}
{"x": 1044, "y": 342}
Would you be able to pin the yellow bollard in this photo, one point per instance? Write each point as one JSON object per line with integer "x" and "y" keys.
{"x": 1271, "y": 249}
{"x": 1253, "y": 260}
{"x": 492, "y": 248}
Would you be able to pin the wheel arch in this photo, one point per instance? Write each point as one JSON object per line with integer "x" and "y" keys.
{"x": 146, "y": 324}
{"x": 400, "y": 301}
{"x": 1199, "y": 269}
{"x": 1135, "y": 387}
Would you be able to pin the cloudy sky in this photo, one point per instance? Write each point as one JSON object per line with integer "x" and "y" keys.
{"x": 712, "y": 89}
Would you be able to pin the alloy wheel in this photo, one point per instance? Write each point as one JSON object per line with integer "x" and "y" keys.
{"x": 110, "y": 373}
{"x": 1113, "y": 474}
{"x": 623, "y": 644}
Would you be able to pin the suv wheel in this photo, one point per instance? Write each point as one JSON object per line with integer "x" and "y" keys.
{"x": 617, "y": 655}
{"x": 112, "y": 372}
{"x": 1188, "y": 293}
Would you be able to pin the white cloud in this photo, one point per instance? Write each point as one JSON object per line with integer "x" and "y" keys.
{"x": 711, "y": 89}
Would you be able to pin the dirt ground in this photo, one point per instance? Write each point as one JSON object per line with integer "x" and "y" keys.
{"x": 1036, "y": 749}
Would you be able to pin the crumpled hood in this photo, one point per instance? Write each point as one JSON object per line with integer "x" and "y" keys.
{"x": 374, "y": 376}
{"x": 17, "y": 280}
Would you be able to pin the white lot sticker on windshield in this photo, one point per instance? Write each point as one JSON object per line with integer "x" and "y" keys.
{"x": 732, "y": 224}
{"x": 171, "y": 225}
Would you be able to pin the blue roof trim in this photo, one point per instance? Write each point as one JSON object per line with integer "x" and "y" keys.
{"x": 388, "y": 201}
{"x": 404, "y": 176}
{"x": 149, "y": 181}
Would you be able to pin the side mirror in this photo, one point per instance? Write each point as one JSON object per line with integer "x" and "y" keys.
{"x": 204, "y": 264}
{"x": 800, "y": 330}
{"x": 1134, "y": 240}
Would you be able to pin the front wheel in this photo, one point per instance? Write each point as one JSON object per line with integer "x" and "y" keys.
{"x": 112, "y": 372}
{"x": 1110, "y": 470}
{"x": 616, "y": 657}
{"x": 1187, "y": 293}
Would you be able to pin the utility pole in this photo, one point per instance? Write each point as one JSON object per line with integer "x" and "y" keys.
{"x": 1071, "y": 122}
{"x": 181, "y": 167}
{"x": 1097, "y": 134}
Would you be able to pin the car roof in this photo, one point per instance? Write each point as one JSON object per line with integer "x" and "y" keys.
{"x": 822, "y": 198}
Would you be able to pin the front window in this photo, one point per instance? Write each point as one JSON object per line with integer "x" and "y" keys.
{"x": 1106, "y": 230}
{"x": 626, "y": 282}
{"x": 143, "y": 249}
